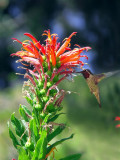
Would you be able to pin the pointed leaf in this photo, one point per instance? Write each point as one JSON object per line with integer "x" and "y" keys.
{"x": 26, "y": 110}
{"x": 22, "y": 154}
{"x": 46, "y": 119}
{"x": 55, "y": 117}
{"x": 29, "y": 100}
{"x": 58, "y": 142}
{"x": 19, "y": 128}
{"x": 40, "y": 150}
{"x": 34, "y": 131}
{"x": 23, "y": 114}
{"x": 55, "y": 133}
{"x": 44, "y": 122}
{"x": 73, "y": 157}
{"x": 12, "y": 136}
{"x": 17, "y": 125}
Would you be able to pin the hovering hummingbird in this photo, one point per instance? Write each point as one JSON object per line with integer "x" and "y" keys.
{"x": 93, "y": 80}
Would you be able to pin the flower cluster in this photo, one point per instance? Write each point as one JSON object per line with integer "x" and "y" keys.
{"x": 50, "y": 57}
{"x": 49, "y": 61}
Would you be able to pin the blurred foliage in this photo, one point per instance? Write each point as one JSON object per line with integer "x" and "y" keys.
{"x": 97, "y": 24}
{"x": 95, "y": 133}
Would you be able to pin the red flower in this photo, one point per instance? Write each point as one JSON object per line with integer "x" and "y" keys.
{"x": 60, "y": 60}
{"x": 117, "y": 119}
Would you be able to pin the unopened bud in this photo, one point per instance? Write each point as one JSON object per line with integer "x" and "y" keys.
{"x": 38, "y": 107}
{"x": 42, "y": 92}
{"x": 45, "y": 99}
{"x": 49, "y": 84}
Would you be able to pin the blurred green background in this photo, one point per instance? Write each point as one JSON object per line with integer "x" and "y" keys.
{"x": 98, "y": 26}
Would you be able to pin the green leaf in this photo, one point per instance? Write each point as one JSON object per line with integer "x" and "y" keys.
{"x": 17, "y": 125}
{"x": 24, "y": 113}
{"x": 40, "y": 150}
{"x": 58, "y": 142}
{"x": 55, "y": 117}
{"x": 34, "y": 131}
{"x": 73, "y": 157}
{"x": 57, "y": 131}
{"x": 19, "y": 128}
{"x": 29, "y": 100}
{"x": 12, "y": 136}
{"x": 46, "y": 119}
{"x": 22, "y": 154}
{"x": 26, "y": 110}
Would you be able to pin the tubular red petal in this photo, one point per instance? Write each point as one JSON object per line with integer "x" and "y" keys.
{"x": 30, "y": 60}
{"x": 65, "y": 44}
{"x": 70, "y": 60}
{"x": 30, "y": 78}
{"x": 57, "y": 46}
{"x": 17, "y": 40}
{"x": 36, "y": 43}
{"x": 48, "y": 61}
{"x": 53, "y": 87}
{"x": 38, "y": 70}
{"x": 35, "y": 51}
{"x": 66, "y": 72}
{"x": 62, "y": 67}
{"x": 23, "y": 53}
{"x": 59, "y": 100}
{"x": 73, "y": 54}
{"x": 27, "y": 47}
{"x": 49, "y": 36}
{"x": 45, "y": 83}
{"x": 53, "y": 74}
{"x": 33, "y": 73}
{"x": 61, "y": 80}
{"x": 86, "y": 57}
{"x": 53, "y": 58}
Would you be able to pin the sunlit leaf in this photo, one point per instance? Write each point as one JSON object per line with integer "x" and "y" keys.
{"x": 30, "y": 101}
{"x": 34, "y": 131}
{"x": 19, "y": 128}
{"x": 40, "y": 150}
{"x": 12, "y": 136}
{"x": 22, "y": 154}
{"x": 54, "y": 117}
{"x": 23, "y": 113}
{"x": 57, "y": 131}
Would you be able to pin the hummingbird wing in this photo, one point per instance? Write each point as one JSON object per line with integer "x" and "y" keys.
{"x": 99, "y": 77}
{"x": 94, "y": 88}
{"x": 109, "y": 74}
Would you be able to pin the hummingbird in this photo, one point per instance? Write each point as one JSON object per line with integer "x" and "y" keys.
{"x": 93, "y": 80}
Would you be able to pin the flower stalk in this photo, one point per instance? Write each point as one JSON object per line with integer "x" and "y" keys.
{"x": 50, "y": 65}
